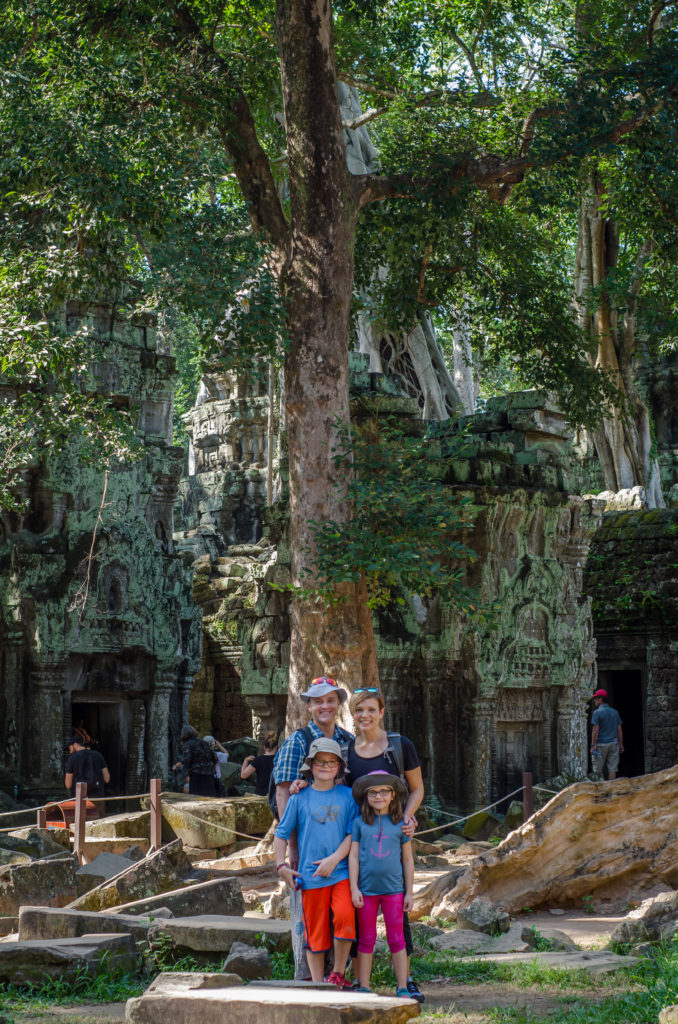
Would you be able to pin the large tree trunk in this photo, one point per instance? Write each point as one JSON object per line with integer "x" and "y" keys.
{"x": 317, "y": 283}
{"x": 623, "y": 440}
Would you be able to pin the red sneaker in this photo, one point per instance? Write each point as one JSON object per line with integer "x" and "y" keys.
{"x": 335, "y": 978}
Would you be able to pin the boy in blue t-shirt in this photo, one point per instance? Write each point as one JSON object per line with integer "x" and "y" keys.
{"x": 322, "y": 815}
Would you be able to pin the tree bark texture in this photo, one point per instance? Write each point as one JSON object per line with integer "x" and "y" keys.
{"x": 316, "y": 279}
{"x": 623, "y": 441}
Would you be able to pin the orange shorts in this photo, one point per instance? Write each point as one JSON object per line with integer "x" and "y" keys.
{"x": 317, "y": 905}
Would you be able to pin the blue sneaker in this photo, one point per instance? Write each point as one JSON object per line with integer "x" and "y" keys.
{"x": 414, "y": 992}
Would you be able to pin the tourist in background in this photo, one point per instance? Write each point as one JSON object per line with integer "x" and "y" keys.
{"x": 198, "y": 759}
{"x": 262, "y": 764}
{"x": 84, "y": 765}
{"x": 222, "y": 757}
{"x": 607, "y": 739}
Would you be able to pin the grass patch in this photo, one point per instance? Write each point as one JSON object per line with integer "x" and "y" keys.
{"x": 106, "y": 988}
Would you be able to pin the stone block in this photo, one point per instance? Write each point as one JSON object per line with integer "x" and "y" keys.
{"x": 50, "y": 883}
{"x": 480, "y": 826}
{"x": 218, "y": 896}
{"x": 462, "y": 940}
{"x": 47, "y": 923}
{"x": 252, "y": 815}
{"x": 514, "y": 815}
{"x": 155, "y": 874}
{"x": 248, "y": 961}
{"x": 262, "y": 1004}
{"x": 103, "y": 867}
{"x": 135, "y": 825}
{"x": 29, "y": 962}
{"x": 669, "y": 1015}
{"x": 35, "y": 843}
{"x": 208, "y": 823}
{"x": 132, "y": 847}
{"x": 213, "y": 934}
{"x": 481, "y": 916}
{"x": 647, "y": 921}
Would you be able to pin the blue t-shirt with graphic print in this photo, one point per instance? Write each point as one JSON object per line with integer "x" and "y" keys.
{"x": 381, "y": 865}
{"x": 322, "y": 818}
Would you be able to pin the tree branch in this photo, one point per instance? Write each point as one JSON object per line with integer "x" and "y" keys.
{"x": 238, "y": 135}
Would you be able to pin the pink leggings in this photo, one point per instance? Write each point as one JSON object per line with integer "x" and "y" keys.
{"x": 392, "y": 909}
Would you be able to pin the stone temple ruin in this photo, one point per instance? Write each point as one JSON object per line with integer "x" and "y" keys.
{"x": 483, "y": 701}
{"x": 101, "y": 636}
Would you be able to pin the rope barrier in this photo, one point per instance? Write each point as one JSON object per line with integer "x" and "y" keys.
{"x": 489, "y": 807}
{"x": 57, "y": 803}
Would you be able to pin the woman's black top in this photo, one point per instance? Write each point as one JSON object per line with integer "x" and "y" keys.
{"x": 385, "y": 762}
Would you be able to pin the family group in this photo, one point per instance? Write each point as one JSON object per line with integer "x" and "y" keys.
{"x": 346, "y": 806}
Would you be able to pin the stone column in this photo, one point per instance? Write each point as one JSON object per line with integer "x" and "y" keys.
{"x": 158, "y": 724}
{"x": 47, "y": 741}
{"x": 483, "y": 729}
{"x": 11, "y": 703}
{"x": 571, "y": 738}
{"x": 135, "y": 781}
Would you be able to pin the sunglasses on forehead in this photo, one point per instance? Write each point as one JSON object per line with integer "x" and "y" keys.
{"x": 324, "y": 680}
{"x": 367, "y": 689}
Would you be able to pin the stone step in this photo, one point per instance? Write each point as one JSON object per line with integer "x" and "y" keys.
{"x": 593, "y": 961}
{"x": 215, "y": 934}
{"x": 242, "y": 1004}
{"x": 29, "y": 962}
{"x": 50, "y": 923}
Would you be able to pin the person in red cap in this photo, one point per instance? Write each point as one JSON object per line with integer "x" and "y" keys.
{"x": 607, "y": 739}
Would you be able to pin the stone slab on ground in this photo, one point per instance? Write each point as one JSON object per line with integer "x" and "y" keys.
{"x": 593, "y": 961}
{"x": 218, "y": 896}
{"x": 261, "y": 1005}
{"x": 212, "y": 933}
{"x": 126, "y": 846}
{"x": 47, "y": 923}
{"x": 24, "y": 963}
{"x": 135, "y": 824}
{"x": 463, "y": 940}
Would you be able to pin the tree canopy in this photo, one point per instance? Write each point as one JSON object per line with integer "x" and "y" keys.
{"x": 190, "y": 156}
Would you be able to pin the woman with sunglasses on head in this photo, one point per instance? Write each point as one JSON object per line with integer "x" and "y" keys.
{"x": 376, "y": 750}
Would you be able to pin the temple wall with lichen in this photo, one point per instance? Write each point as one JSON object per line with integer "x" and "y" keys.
{"x": 97, "y": 622}
{"x": 483, "y": 701}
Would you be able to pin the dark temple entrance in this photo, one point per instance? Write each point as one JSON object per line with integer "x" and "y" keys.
{"x": 105, "y": 720}
{"x": 625, "y": 693}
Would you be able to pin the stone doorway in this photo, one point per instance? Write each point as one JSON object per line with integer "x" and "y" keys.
{"x": 105, "y": 721}
{"x": 625, "y": 693}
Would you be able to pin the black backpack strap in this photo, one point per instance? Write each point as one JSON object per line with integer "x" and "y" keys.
{"x": 395, "y": 742}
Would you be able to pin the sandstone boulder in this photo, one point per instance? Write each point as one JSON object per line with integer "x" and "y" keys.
{"x": 160, "y": 872}
{"x": 669, "y": 1015}
{"x": 614, "y": 839}
{"x": 649, "y": 921}
{"x": 278, "y": 904}
{"x": 518, "y": 939}
{"x": 480, "y": 916}
{"x": 50, "y": 883}
{"x": 35, "y": 843}
{"x": 248, "y": 961}
{"x": 207, "y": 823}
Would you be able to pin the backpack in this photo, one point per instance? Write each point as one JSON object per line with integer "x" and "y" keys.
{"x": 88, "y": 773}
{"x": 308, "y": 737}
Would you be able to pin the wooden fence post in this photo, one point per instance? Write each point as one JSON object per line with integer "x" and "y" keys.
{"x": 79, "y": 823}
{"x": 42, "y": 817}
{"x": 156, "y": 815}
{"x": 528, "y": 802}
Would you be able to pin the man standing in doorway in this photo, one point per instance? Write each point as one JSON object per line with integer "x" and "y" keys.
{"x": 324, "y": 698}
{"x": 85, "y": 765}
{"x": 607, "y": 741}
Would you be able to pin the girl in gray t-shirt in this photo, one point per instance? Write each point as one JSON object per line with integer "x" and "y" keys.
{"x": 381, "y": 871}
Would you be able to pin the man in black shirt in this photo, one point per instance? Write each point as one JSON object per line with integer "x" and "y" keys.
{"x": 85, "y": 765}
{"x": 262, "y": 764}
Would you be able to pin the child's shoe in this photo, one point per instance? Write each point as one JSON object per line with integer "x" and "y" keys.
{"x": 414, "y": 991}
{"x": 335, "y": 978}
{"x": 402, "y": 993}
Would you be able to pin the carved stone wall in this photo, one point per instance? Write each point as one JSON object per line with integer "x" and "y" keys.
{"x": 632, "y": 576}
{"x": 482, "y": 701}
{"x": 97, "y": 624}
